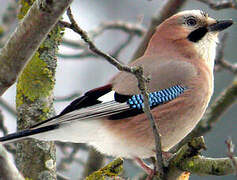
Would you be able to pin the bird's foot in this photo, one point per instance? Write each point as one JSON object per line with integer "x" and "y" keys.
{"x": 150, "y": 172}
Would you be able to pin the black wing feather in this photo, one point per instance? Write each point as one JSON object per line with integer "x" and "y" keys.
{"x": 89, "y": 99}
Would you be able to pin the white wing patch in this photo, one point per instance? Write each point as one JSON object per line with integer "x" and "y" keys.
{"x": 107, "y": 97}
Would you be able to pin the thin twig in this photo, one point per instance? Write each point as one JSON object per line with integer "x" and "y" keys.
{"x": 68, "y": 97}
{"x": 8, "y": 107}
{"x": 62, "y": 177}
{"x": 122, "y": 46}
{"x": 229, "y": 66}
{"x": 220, "y": 62}
{"x": 8, "y": 169}
{"x": 230, "y": 154}
{"x": 8, "y": 19}
{"x": 131, "y": 29}
{"x": 3, "y": 128}
{"x": 73, "y": 43}
{"x": 66, "y": 161}
{"x": 137, "y": 71}
{"x": 224, "y": 4}
{"x": 84, "y": 54}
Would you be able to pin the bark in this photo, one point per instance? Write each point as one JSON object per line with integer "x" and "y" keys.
{"x": 34, "y": 100}
{"x": 30, "y": 33}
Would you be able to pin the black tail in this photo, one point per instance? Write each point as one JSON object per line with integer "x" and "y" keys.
{"x": 26, "y": 133}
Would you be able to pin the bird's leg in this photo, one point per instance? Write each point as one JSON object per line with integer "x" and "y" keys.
{"x": 167, "y": 155}
{"x": 151, "y": 172}
{"x": 146, "y": 168}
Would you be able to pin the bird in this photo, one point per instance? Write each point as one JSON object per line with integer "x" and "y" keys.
{"x": 179, "y": 60}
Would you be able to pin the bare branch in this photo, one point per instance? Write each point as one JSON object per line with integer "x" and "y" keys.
{"x": 137, "y": 71}
{"x": 62, "y": 177}
{"x": 68, "y": 97}
{"x": 228, "y": 66}
{"x": 7, "y": 168}
{"x": 130, "y": 28}
{"x": 66, "y": 161}
{"x": 230, "y": 154}
{"x": 73, "y": 43}
{"x": 84, "y": 54}
{"x": 188, "y": 159}
{"x": 8, "y": 107}
{"x": 3, "y": 128}
{"x": 8, "y": 19}
{"x": 40, "y": 19}
{"x": 220, "y": 62}
{"x": 69, "y": 151}
{"x": 11, "y": 148}
{"x": 224, "y": 4}
{"x": 122, "y": 46}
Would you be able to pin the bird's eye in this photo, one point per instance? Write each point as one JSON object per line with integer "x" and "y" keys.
{"x": 191, "y": 21}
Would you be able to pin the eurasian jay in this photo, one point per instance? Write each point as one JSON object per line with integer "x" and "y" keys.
{"x": 180, "y": 61}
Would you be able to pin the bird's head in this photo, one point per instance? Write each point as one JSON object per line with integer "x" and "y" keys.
{"x": 190, "y": 32}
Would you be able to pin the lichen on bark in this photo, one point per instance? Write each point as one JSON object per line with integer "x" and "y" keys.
{"x": 34, "y": 101}
{"x": 111, "y": 170}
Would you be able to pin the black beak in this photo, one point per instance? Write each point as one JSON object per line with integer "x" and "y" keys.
{"x": 220, "y": 25}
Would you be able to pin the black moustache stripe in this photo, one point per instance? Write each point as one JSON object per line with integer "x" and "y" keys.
{"x": 198, "y": 34}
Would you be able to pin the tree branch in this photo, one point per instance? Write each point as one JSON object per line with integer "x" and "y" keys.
{"x": 3, "y": 128}
{"x": 8, "y": 107}
{"x": 230, "y": 154}
{"x": 201, "y": 165}
{"x": 8, "y": 19}
{"x": 137, "y": 71}
{"x": 8, "y": 169}
{"x": 221, "y": 4}
{"x": 220, "y": 62}
{"x": 111, "y": 170}
{"x": 188, "y": 159}
{"x": 28, "y": 36}
{"x": 66, "y": 161}
{"x": 68, "y": 97}
{"x": 129, "y": 28}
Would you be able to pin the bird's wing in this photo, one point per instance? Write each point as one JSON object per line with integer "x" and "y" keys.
{"x": 163, "y": 72}
{"x": 121, "y": 106}
{"x": 120, "y": 99}
{"x": 114, "y": 103}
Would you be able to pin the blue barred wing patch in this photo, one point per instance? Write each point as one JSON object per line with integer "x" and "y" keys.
{"x": 156, "y": 98}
